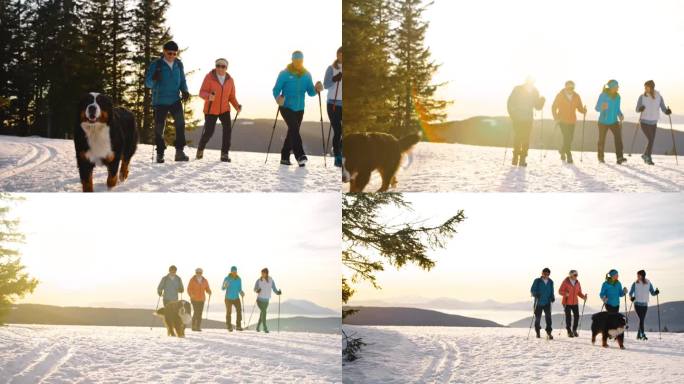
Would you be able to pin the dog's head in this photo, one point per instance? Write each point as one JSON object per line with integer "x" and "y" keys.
{"x": 184, "y": 312}
{"x": 95, "y": 108}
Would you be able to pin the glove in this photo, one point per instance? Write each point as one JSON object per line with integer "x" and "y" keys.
{"x": 337, "y": 78}
{"x": 631, "y": 298}
{"x": 280, "y": 100}
{"x": 657, "y": 291}
{"x": 319, "y": 87}
{"x": 159, "y": 293}
{"x": 156, "y": 76}
{"x": 242, "y": 294}
{"x": 536, "y": 296}
{"x": 668, "y": 111}
{"x": 280, "y": 292}
{"x": 258, "y": 290}
{"x": 186, "y": 96}
{"x": 553, "y": 299}
{"x": 642, "y": 108}
{"x": 239, "y": 108}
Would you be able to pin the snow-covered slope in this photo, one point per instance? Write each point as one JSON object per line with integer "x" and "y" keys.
{"x": 465, "y": 168}
{"x": 502, "y": 355}
{"x": 70, "y": 354}
{"x": 34, "y": 164}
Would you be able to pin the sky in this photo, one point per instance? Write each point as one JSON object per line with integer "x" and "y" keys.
{"x": 113, "y": 249}
{"x": 257, "y": 38}
{"x": 508, "y": 238}
{"x": 487, "y": 47}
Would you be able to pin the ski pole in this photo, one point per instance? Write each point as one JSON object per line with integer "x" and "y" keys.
{"x": 674, "y": 145}
{"x": 157, "y": 308}
{"x": 334, "y": 107}
{"x": 636, "y": 129}
{"x": 278, "y": 313}
{"x": 250, "y": 315}
{"x": 582, "y": 315}
{"x": 320, "y": 109}
{"x": 659, "y": 331}
{"x": 584, "y": 120}
{"x": 534, "y": 307}
{"x": 275, "y": 122}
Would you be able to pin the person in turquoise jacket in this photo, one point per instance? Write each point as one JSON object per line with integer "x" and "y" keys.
{"x": 544, "y": 294}
{"x": 612, "y": 291}
{"x": 610, "y": 118}
{"x": 292, "y": 84}
{"x": 166, "y": 77}
{"x": 232, "y": 284}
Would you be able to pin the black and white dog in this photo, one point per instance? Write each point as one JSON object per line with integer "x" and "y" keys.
{"x": 106, "y": 135}
{"x": 176, "y": 315}
{"x": 610, "y": 325}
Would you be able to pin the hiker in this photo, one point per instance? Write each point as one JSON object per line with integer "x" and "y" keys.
{"x": 639, "y": 295}
{"x": 563, "y": 109}
{"x": 232, "y": 284}
{"x": 218, "y": 92}
{"x": 263, "y": 287}
{"x": 610, "y": 118}
{"x": 333, "y": 83}
{"x": 197, "y": 286}
{"x": 166, "y": 77}
{"x": 521, "y": 103}
{"x": 612, "y": 291}
{"x": 170, "y": 286}
{"x": 543, "y": 293}
{"x": 292, "y": 84}
{"x": 570, "y": 290}
{"x": 649, "y": 105}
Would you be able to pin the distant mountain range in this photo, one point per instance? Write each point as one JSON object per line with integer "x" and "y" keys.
{"x": 411, "y": 317}
{"x": 446, "y": 303}
{"x": 495, "y": 131}
{"x": 291, "y": 306}
{"x": 131, "y": 317}
{"x": 671, "y": 317}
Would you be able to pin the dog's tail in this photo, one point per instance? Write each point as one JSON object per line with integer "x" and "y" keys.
{"x": 407, "y": 142}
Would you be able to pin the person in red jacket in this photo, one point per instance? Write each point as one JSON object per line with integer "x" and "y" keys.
{"x": 197, "y": 286}
{"x": 218, "y": 92}
{"x": 570, "y": 290}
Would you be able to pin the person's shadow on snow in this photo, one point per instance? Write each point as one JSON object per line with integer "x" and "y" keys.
{"x": 514, "y": 180}
{"x": 588, "y": 183}
{"x": 290, "y": 180}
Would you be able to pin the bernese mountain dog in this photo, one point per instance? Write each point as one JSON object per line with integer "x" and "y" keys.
{"x": 176, "y": 316}
{"x": 367, "y": 152}
{"x": 106, "y": 135}
{"x": 610, "y": 325}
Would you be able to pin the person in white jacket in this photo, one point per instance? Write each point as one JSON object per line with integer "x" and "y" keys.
{"x": 640, "y": 292}
{"x": 263, "y": 287}
{"x": 333, "y": 83}
{"x": 649, "y": 105}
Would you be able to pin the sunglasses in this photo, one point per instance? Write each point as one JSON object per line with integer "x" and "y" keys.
{"x": 171, "y": 53}
{"x": 575, "y": 275}
{"x": 220, "y": 66}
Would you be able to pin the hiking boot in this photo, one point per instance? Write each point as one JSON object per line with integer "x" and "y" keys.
{"x": 230, "y": 327}
{"x": 601, "y": 160}
{"x": 338, "y": 161}
{"x": 538, "y": 333}
{"x": 570, "y": 334}
{"x": 549, "y": 335}
{"x": 239, "y": 329}
{"x": 647, "y": 159}
{"x": 643, "y": 336}
{"x": 575, "y": 333}
{"x": 265, "y": 330}
{"x": 302, "y": 161}
{"x": 562, "y": 156}
{"x": 515, "y": 160}
{"x": 160, "y": 158}
{"x": 621, "y": 160}
{"x": 200, "y": 154}
{"x": 258, "y": 329}
{"x": 569, "y": 158}
{"x": 522, "y": 162}
{"x": 225, "y": 158}
{"x": 181, "y": 156}
{"x": 285, "y": 162}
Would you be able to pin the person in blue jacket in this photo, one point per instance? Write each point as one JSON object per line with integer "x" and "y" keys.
{"x": 166, "y": 77}
{"x": 333, "y": 83}
{"x": 639, "y": 295}
{"x": 170, "y": 286}
{"x": 612, "y": 291}
{"x": 232, "y": 284}
{"x": 544, "y": 294}
{"x": 292, "y": 84}
{"x": 610, "y": 118}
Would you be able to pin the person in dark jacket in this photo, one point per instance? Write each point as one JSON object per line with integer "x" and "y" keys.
{"x": 170, "y": 286}
{"x": 166, "y": 77}
{"x": 521, "y": 105}
{"x": 544, "y": 294}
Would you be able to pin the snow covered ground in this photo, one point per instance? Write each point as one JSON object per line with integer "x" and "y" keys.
{"x": 440, "y": 167}
{"x": 70, "y": 354}
{"x": 503, "y": 355}
{"x": 34, "y": 164}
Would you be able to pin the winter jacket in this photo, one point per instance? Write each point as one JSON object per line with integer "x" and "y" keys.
{"x": 613, "y": 291}
{"x": 264, "y": 288}
{"x": 293, "y": 87}
{"x": 521, "y": 103}
{"x": 563, "y": 109}
{"x": 640, "y": 291}
{"x": 224, "y": 94}
{"x": 651, "y": 114}
{"x": 233, "y": 287}
{"x": 333, "y": 87}
{"x": 543, "y": 292}
{"x": 570, "y": 292}
{"x": 196, "y": 289}
{"x": 170, "y": 287}
{"x": 609, "y": 116}
{"x": 167, "y": 90}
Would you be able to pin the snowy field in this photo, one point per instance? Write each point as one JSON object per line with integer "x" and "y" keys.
{"x": 33, "y": 164}
{"x": 440, "y": 167}
{"x": 71, "y": 354}
{"x": 503, "y": 355}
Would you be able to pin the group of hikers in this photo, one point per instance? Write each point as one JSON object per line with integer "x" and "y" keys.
{"x": 166, "y": 78}
{"x": 525, "y": 99}
{"x": 171, "y": 286}
{"x": 571, "y": 291}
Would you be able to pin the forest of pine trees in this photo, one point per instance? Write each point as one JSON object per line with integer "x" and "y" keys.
{"x": 390, "y": 87}
{"x": 52, "y": 51}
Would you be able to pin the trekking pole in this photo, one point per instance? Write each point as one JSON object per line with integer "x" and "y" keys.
{"x": 508, "y": 143}
{"x": 584, "y": 120}
{"x": 674, "y": 145}
{"x": 534, "y": 307}
{"x": 242, "y": 304}
{"x": 250, "y": 315}
{"x": 275, "y": 122}
{"x": 560, "y": 331}
{"x": 237, "y": 113}
{"x": 279, "y": 313}
{"x": 582, "y": 315}
{"x": 628, "y": 312}
{"x": 320, "y": 109}
{"x": 206, "y": 317}
{"x": 155, "y": 311}
{"x": 660, "y": 336}
{"x": 334, "y": 107}
{"x": 631, "y": 148}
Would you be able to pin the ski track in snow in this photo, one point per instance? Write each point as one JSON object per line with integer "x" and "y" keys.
{"x": 80, "y": 354}
{"x": 34, "y": 164}
{"x": 504, "y": 355}
{"x": 438, "y": 167}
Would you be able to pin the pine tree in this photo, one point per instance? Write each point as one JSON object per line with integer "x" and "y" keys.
{"x": 14, "y": 281}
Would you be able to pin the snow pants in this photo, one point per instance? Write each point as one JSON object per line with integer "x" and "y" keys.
{"x": 616, "y": 129}
{"x": 335, "y": 116}
{"x": 160, "y": 113}
{"x": 641, "y": 312}
{"x": 650, "y": 133}
{"x": 574, "y": 309}
{"x": 610, "y": 308}
{"x": 293, "y": 140}
{"x": 547, "y": 316}
{"x": 210, "y": 126}
{"x": 568, "y": 133}
{"x": 521, "y": 137}
{"x": 263, "y": 307}
{"x": 229, "y": 310}
{"x": 197, "y": 309}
